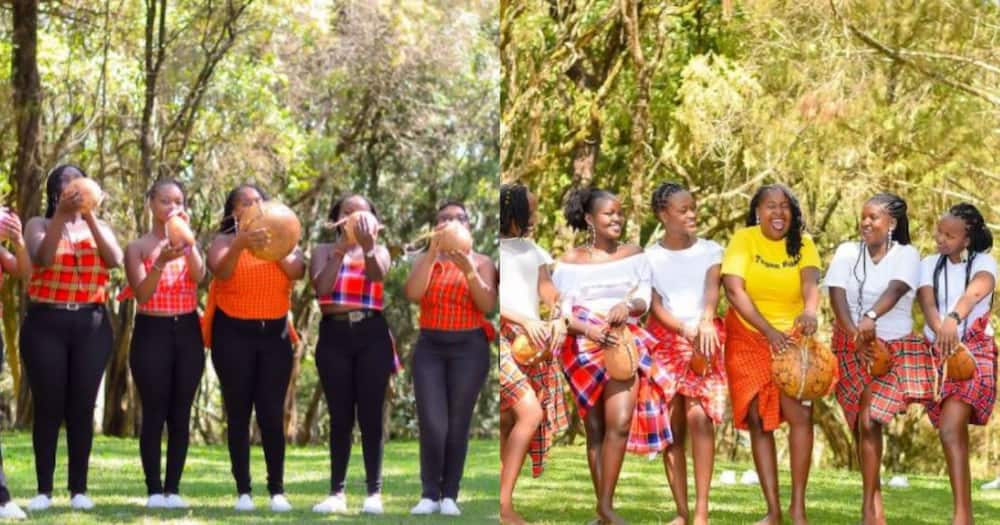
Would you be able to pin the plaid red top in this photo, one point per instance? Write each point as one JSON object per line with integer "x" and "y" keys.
{"x": 175, "y": 292}
{"x": 77, "y": 275}
{"x": 447, "y": 303}
{"x": 354, "y": 288}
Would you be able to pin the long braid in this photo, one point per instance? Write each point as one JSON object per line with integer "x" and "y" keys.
{"x": 514, "y": 209}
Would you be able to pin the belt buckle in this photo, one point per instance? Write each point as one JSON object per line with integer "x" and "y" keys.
{"x": 355, "y": 316}
{"x": 72, "y": 306}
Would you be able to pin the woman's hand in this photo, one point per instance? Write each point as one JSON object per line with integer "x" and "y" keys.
{"x": 10, "y": 228}
{"x": 366, "y": 232}
{"x": 708, "y": 338}
{"x": 168, "y": 253}
{"x": 618, "y": 314}
{"x": 601, "y": 335}
{"x": 866, "y": 330}
{"x": 806, "y": 322}
{"x": 537, "y": 332}
{"x": 253, "y": 239}
{"x": 947, "y": 336}
{"x": 464, "y": 261}
{"x": 557, "y": 334}
{"x": 69, "y": 203}
{"x": 777, "y": 339}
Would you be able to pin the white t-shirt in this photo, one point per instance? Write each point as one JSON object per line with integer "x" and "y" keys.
{"x": 601, "y": 286}
{"x": 520, "y": 260}
{"x": 679, "y": 277}
{"x": 847, "y": 271}
{"x": 949, "y": 295}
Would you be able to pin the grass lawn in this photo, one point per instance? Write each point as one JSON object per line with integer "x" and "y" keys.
{"x": 563, "y": 494}
{"x": 116, "y": 485}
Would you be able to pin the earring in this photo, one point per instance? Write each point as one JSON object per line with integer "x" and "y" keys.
{"x": 756, "y": 218}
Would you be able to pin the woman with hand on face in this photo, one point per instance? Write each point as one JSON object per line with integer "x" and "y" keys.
{"x": 66, "y": 335}
{"x": 354, "y": 354}
{"x": 872, "y": 285}
{"x": 532, "y": 406}
{"x": 686, "y": 281}
{"x": 956, "y": 293}
{"x": 17, "y": 264}
{"x": 451, "y": 358}
{"x": 771, "y": 273}
{"x": 167, "y": 356}
{"x": 251, "y": 340}
{"x": 606, "y": 285}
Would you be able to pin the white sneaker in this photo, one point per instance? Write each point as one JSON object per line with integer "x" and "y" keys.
{"x": 372, "y": 504}
{"x": 992, "y": 485}
{"x": 279, "y": 503}
{"x": 425, "y": 506}
{"x": 899, "y": 482}
{"x": 335, "y": 503}
{"x": 12, "y": 511}
{"x": 156, "y": 501}
{"x": 39, "y": 502}
{"x": 244, "y": 503}
{"x": 176, "y": 502}
{"x": 450, "y": 508}
{"x": 81, "y": 502}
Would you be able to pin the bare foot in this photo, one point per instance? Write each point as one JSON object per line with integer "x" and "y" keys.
{"x": 610, "y": 517}
{"x": 700, "y": 518}
{"x": 771, "y": 519}
{"x": 679, "y": 520}
{"x": 509, "y": 517}
{"x": 872, "y": 516}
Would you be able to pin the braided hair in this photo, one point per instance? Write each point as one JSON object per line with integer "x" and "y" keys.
{"x": 663, "y": 194}
{"x": 896, "y": 207}
{"x": 580, "y": 202}
{"x": 57, "y": 180}
{"x": 515, "y": 209}
{"x": 160, "y": 183}
{"x": 980, "y": 241}
{"x": 793, "y": 239}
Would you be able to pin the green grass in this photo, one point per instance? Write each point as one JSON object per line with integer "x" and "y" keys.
{"x": 116, "y": 485}
{"x": 563, "y": 494}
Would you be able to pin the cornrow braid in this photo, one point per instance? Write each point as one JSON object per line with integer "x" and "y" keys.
{"x": 515, "y": 209}
{"x": 663, "y": 193}
{"x": 896, "y": 207}
{"x": 980, "y": 241}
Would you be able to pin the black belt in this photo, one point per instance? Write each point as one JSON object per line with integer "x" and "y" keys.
{"x": 354, "y": 316}
{"x": 71, "y": 307}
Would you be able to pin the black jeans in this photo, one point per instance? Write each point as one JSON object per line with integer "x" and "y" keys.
{"x": 355, "y": 362}
{"x": 4, "y": 493}
{"x": 449, "y": 369}
{"x": 253, "y": 359}
{"x": 65, "y": 353}
{"x": 167, "y": 360}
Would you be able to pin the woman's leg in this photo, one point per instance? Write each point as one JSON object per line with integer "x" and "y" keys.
{"x": 88, "y": 358}
{"x": 675, "y": 461}
{"x": 234, "y": 360}
{"x": 527, "y": 415}
{"x": 953, "y": 429}
{"x": 702, "y": 432}
{"x": 335, "y": 364}
{"x": 189, "y": 365}
{"x": 151, "y": 360}
{"x": 870, "y": 456}
{"x": 619, "y": 405}
{"x": 800, "y": 440}
{"x": 467, "y": 370}
{"x": 273, "y": 373}
{"x": 373, "y": 368}
{"x": 765, "y": 460}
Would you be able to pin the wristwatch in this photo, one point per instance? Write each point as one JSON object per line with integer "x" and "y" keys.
{"x": 954, "y": 315}
{"x": 871, "y": 314}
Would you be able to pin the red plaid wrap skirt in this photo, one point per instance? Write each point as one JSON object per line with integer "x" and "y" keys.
{"x": 542, "y": 378}
{"x": 673, "y": 351}
{"x": 583, "y": 364}
{"x": 980, "y": 391}
{"x": 910, "y": 380}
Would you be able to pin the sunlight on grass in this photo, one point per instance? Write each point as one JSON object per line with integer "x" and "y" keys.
{"x": 117, "y": 487}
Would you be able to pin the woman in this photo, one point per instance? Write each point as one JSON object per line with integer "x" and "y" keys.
{"x": 168, "y": 355}
{"x": 771, "y": 271}
{"x": 354, "y": 355}
{"x": 872, "y": 286}
{"x": 17, "y": 264}
{"x": 66, "y": 336}
{"x": 686, "y": 280}
{"x": 451, "y": 359}
{"x": 532, "y": 408}
{"x": 956, "y": 293}
{"x": 251, "y": 341}
{"x": 605, "y": 283}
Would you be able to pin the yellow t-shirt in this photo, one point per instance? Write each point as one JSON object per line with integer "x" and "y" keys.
{"x": 772, "y": 277}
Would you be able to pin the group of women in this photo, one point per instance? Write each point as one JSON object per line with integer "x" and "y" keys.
{"x": 66, "y": 341}
{"x": 771, "y": 274}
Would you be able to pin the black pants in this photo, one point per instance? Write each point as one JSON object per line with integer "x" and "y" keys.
{"x": 253, "y": 359}
{"x": 355, "y": 362}
{"x": 167, "y": 360}
{"x": 449, "y": 369}
{"x": 65, "y": 354}
{"x": 4, "y": 493}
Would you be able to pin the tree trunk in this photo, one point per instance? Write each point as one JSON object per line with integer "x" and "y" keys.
{"x": 120, "y": 405}
{"x": 27, "y": 170}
